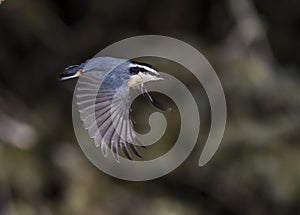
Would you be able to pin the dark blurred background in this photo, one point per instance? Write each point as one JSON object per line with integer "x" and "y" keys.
{"x": 253, "y": 45}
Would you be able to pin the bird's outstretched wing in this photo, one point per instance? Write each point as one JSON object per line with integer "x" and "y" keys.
{"x": 104, "y": 106}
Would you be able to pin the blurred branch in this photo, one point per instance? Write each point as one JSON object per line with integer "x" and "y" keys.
{"x": 249, "y": 33}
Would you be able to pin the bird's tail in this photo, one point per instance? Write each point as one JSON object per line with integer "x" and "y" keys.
{"x": 72, "y": 72}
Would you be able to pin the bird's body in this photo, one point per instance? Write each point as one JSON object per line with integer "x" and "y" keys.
{"x": 104, "y": 103}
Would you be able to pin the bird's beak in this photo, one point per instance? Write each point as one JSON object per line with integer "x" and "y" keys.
{"x": 154, "y": 78}
{"x": 161, "y": 78}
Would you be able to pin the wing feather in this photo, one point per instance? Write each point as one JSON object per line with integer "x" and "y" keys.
{"x": 104, "y": 109}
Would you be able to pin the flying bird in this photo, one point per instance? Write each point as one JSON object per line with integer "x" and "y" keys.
{"x": 103, "y": 100}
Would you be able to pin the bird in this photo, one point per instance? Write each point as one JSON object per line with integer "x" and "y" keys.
{"x": 103, "y": 100}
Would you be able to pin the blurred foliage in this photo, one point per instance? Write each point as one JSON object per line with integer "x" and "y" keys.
{"x": 253, "y": 45}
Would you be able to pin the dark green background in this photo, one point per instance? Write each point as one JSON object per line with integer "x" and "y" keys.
{"x": 253, "y": 45}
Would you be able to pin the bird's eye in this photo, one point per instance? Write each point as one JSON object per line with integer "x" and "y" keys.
{"x": 134, "y": 70}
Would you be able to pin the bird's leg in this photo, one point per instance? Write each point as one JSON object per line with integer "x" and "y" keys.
{"x": 155, "y": 103}
{"x": 145, "y": 91}
{"x": 142, "y": 88}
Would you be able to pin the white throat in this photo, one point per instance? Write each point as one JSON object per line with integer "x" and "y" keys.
{"x": 142, "y": 78}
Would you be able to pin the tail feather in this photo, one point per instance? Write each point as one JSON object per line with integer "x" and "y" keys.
{"x": 72, "y": 72}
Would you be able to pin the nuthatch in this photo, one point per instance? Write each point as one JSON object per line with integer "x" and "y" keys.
{"x": 106, "y": 116}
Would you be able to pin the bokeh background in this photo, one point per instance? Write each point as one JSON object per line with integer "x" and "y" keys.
{"x": 253, "y": 45}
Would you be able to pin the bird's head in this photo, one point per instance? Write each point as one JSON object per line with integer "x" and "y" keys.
{"x": 141, "y": 73}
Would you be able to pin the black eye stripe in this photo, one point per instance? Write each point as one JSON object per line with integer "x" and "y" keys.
{"x": 137, "y": 67}
{"x": 136, "y": 70}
